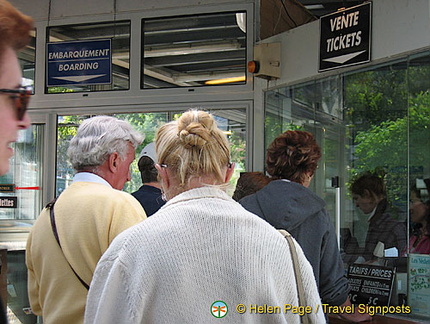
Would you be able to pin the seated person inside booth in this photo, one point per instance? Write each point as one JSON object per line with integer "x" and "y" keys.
{"x": 384, "y": 231}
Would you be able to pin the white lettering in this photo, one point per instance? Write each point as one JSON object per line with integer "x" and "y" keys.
{"x": 78, "y": 54}
{"x": 343, "y": 41}
{"x": 344, "y": 21}
{"x": 78, "y": 66}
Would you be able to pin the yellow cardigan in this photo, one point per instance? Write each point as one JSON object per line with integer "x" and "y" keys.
{"x": 88, "y": 217}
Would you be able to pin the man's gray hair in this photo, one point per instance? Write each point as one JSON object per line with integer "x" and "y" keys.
{"x": 97, "y": 138}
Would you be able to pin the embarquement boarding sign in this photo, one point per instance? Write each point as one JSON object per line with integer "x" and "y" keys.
{"x": 370, "y": 284}
{"x": 345, "y": 37}
{"x": 79, "y": 63}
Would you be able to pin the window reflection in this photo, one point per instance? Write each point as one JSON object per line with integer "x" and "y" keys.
{"x": 231, "y": 121}
{"x": 375, "y": 121}
{"x": 192, "y": 51}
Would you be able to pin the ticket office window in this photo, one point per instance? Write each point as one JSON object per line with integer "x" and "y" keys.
{"x": 88, "y": 57}
{"x": 376, "y": 123}
{"x": 194, "y": 51}
{"x": 231, "y": 121}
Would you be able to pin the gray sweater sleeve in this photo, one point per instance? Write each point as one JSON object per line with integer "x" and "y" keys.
{"x": 333, "y": 284}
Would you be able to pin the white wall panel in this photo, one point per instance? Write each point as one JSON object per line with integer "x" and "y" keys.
{"x": 39, "y": 9}
{"x": 80, "y": 8}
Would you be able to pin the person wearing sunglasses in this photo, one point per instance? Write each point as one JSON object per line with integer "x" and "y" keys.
{"x": 14, "y": 34}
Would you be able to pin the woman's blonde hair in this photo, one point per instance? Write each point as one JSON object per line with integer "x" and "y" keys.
{"x": 193, "y": 146}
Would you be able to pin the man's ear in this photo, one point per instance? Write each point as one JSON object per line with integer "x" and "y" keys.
{"x": 113, "y": 162}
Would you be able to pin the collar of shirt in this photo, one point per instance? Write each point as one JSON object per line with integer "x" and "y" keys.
{"x": 371, "y": 214}
{"x": 90, "y": 177}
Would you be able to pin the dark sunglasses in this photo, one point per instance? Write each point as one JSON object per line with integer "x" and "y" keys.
{"x": 21, "y": 97}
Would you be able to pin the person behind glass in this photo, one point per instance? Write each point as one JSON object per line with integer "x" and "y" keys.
{"x": 88, "y": 215}
{"x": 287, "y": 203}
{"x": 149, "y": 194}
{"x": 249, "y": 183}
{"x": 369, "y": 195}
{"x": 419, "y": 241}
{"x": 199, "y": 248}
{"x": 15, "y": 30}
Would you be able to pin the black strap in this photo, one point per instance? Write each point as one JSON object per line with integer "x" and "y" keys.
{"x": 50, "y": 206}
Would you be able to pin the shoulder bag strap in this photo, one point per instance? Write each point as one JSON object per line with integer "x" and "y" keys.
{"x": 300, "y": 290}
{"x": 50, "y": 206}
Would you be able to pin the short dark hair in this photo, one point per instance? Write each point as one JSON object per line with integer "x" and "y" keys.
{"x": 371, "y": 182}
{"x": 147, "y": 169}
{"x": 249, "y": 183}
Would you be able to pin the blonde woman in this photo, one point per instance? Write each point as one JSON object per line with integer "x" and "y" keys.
{"x": 201, "y": 256}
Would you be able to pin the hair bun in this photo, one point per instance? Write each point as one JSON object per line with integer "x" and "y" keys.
{"x": 194, "y": 128}
{"x": 194, "y": 135}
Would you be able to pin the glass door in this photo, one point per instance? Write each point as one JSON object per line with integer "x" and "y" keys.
{"x": 232, "y": 121}
{"x": 21, "y": 197}
{"x": 21, "y": 187}
{"x": 313, "y": 107}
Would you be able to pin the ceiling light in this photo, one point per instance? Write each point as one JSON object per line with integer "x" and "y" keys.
{"x": 226, "y": 80}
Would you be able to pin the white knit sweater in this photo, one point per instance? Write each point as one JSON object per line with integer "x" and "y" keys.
{"x": 199, "y": 248}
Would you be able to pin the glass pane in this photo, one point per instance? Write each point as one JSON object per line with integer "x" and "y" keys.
{"x": 376, "y": 115}
{"x": 419, "y": 151}
{"x": 231, "y": 121}
{"x": 80, "y": 42}
{"x": 372, "y": 122}
{"x": 25, "y": 177}
{"x": 311, "y": 107}
{"x": 419, "y": 175}
{"x": 192, "y": 51}
{"x": 145, "y": 123}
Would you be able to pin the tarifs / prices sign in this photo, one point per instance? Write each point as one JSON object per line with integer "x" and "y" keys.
{"x": 79, "y": 62}
{"x": 345, "y": 37}
{"x": 370, "y": 284}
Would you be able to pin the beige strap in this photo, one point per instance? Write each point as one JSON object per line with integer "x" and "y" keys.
{"x": 300, "y": 290}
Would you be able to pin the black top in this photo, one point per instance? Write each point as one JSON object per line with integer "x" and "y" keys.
{"x": 150, "y": 198}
